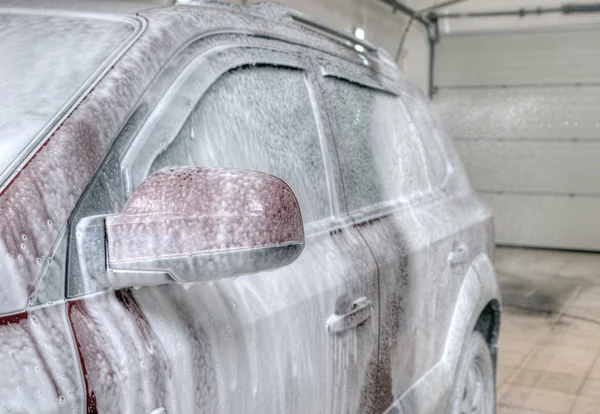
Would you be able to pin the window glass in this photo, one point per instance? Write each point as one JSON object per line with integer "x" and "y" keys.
{"x": 45, "y": 60}
{"x": 436, "y": 160}
{"x": 378, "y": 144}
{"x": 258, "y": 118}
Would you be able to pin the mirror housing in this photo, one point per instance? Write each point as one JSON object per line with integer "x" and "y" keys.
{"x": 192, "y": 224}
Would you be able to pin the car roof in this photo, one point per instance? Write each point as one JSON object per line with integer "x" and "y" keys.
{"x": 113, "y": 7}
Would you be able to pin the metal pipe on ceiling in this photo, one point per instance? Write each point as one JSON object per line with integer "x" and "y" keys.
{"x": 569, "y": 8}
{"x": 418, "y": 15}
{"x": 396, "y": 5}
{"x": 446, "y": 3}
{"x": 430, "y": 21}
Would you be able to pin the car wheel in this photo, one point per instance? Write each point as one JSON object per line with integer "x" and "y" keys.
{"x": 475, "y": 391}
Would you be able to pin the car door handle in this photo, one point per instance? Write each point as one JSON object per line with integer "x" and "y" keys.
{"x": 361, "y": 310}
{"x": 459, "y": 254}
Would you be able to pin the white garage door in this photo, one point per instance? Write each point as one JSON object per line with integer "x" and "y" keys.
{"x": 524, "y": 110}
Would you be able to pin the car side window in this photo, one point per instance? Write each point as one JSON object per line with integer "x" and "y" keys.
{"x": 258, "y": 118}
{"x": 437, "y": 162}
{"x": 378, "y": 144}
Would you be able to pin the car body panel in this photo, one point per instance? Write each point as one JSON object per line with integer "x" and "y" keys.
{"x": 40, "y": 370}
{"x": 423, "y": 240}
{"x": 344, "y": 362}
{"x": 229, "y": 345}
{"x": 234, "y": 345}
{"x": 98, "y": 8}
{"x": 431, "y": 394}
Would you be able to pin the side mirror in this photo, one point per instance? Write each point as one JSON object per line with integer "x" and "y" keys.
{"x": 199, "y": 224}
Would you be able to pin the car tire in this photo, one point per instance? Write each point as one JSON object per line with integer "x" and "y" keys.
{"x": 475, "y": 391}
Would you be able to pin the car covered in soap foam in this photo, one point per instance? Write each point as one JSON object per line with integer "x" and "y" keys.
{"x": 214, "y": 209}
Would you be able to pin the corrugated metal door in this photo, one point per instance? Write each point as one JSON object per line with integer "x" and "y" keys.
{"x": 524, "y": 111}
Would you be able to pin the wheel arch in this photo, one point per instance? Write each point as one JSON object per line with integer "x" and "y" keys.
{"x": 488, "y": 324}
{"x": 490, "y": 313}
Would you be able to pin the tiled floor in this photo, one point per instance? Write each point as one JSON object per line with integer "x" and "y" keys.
{"x": 549, "y": 359}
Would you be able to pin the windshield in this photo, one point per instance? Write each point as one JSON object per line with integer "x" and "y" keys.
{"x": 46, "y": 61}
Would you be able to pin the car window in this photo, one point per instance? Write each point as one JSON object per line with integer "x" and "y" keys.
{"x": 437, "y": 162}
{"x": 258, "y": 118}
{"x": 46, "y": 59}
{"x": 378, "y": 144}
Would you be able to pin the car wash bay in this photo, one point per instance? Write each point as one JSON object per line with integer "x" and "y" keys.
{"x": 520, "y": 96}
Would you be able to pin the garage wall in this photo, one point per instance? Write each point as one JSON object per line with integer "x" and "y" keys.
{"x": 524, "y": 109}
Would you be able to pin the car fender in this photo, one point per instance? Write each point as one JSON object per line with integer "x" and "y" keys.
{"x": 431, "y": 393}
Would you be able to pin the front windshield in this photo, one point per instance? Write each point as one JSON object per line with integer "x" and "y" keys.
{"x": 46, "y": 60}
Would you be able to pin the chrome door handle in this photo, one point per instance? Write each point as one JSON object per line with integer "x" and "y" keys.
{"x": 459, "y": 254}
{"x": 361, "y": 310}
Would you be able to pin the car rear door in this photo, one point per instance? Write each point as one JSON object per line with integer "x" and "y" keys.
{"x": 394, "y": 179}
{"x": 299, "y": 339}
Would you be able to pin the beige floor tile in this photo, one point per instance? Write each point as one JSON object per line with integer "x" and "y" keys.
{"x": 516, "y": 345}
{"x": 591, "y": 388}
{"x": 538, "y": 362}
{"x": 582, "y": 327}
{"x": 514, "y": 396}
{"x": 533, "y": 337}
{"x": 550, "y": 363}
{"x": 590, "y": 294}
{"x": 587, "y": 300}
{"x": 511, "y": 358}
{"x": 583, "y": 341}
{"x": 525, "y": 378}
{"x": 568, "y": 366}
{"x": 526, "y": 328}
{"x": 506, "y": 409}
{"x": 584, "y": 354}
{"x": 583, "y": 265}
{"x": 587, "y": 313}
{"x": 585, "y": 405}
{"x": 552, "y": 402}
{"x": 551, "y": 264}
{"x": 504, "y": 374}
{"x": 513, "y": 260}
{"x": 501, "y": 391}
{"x": 567, "y": 384}
{"x": 595, "y": 371}
{"x": 561, "y": 359}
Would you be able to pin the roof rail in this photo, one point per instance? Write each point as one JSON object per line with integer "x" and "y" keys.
{"x": 331, "y": 31}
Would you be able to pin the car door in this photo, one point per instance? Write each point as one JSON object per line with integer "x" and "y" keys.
{"x": 299, "y": 339}
{"x": 395, "y": 177}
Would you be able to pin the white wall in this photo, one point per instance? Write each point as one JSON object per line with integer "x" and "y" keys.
{"x": 521, "y": 104}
